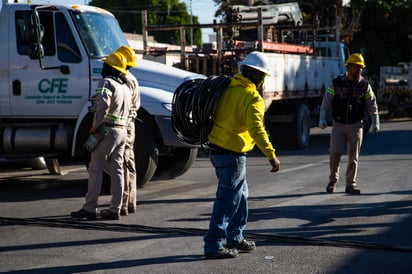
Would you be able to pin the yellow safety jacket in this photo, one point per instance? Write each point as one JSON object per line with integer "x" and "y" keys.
{"x": 238, "y": 123}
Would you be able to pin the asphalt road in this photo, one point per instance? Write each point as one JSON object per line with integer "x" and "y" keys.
{"x": 298, "y": 227}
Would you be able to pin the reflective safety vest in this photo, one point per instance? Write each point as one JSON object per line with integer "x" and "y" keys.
{"x": 113, "y": 101}
{"x": 349, "y": 98}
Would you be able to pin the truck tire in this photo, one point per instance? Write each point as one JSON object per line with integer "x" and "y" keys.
{"x": 173, "y": 166}
{"x": 297, "y": 133}
{"x": 294, "y": 131}
{"x": 146, "y": 154}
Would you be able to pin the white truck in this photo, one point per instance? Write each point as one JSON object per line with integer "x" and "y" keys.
{"x": 50, "y": 63}
{"x": 303, "y": 60}
{"x": 395, "y": 91}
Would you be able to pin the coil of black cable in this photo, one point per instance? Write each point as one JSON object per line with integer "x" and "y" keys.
{"x": 194, "y": 106}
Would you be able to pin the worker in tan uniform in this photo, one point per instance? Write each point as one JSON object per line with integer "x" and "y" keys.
{"x": 109, "y": 125}
{"x": 130, "y": 183}
{"x": 347, "y": 100}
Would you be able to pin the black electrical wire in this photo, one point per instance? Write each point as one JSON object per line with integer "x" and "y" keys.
{"x": 94, "y": 225}
{"x": 194, "y": 106}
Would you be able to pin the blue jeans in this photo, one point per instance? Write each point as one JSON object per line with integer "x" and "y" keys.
{"x": 230, "y": 209}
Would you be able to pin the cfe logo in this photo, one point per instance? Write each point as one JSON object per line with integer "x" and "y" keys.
{"x": 58, "y": 85}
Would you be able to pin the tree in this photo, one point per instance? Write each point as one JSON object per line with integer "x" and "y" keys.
{"x": 160, "y": 12}
{"x": 383, "y": 33}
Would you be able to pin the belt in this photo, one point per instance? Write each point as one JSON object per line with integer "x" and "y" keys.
{"x": 351, "y": 122}
{"x": 112, "y": 125}
{"x": 217, "y": 150}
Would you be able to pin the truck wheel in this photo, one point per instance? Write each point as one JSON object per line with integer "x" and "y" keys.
{"x": 300, "y": 128}
{"x": 146, "y": 154}
{"x": 173, "y": 166}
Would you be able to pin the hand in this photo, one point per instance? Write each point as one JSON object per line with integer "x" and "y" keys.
{"x": 93, "y": 131}
{"x": 322, "y": 119}
{"x": 323, "y": 124}
{"x": 275, "y": 163}
{"x": 90, "y": 143}
{"x": 375, "y": 127}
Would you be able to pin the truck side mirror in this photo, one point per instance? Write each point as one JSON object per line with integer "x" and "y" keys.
{"x": 33, "y": 34}
{"x": 37, "y": 29}
{"x": 36, "y": 51}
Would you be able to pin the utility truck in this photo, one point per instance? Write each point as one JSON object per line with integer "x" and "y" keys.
{"x": 303, "y": 60}
{"x": 50, "y": 63}
{"x": 395, "y": 91}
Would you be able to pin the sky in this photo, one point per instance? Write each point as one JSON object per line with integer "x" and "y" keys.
{"x": 203, "y": 9}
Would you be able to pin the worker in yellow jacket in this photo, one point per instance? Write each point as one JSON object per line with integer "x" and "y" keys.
{"x": 237, "y": 127}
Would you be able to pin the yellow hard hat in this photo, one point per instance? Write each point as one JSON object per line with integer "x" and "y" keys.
{"x": 117, "y": 61}
{"x": 128, "y": 52}
{"x": 356, "y": 59}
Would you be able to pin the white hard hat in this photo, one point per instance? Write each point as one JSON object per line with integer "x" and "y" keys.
{"x": 258, "y": 61}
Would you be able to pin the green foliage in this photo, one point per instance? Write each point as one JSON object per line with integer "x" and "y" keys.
{"x": 383, "y": 33}
{"x": 160, "y": 12}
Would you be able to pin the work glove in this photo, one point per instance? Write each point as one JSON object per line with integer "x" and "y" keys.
{"x": 375, "y": 127}
{"x": 91, "y": 143}
{"x": 322, "y": 119}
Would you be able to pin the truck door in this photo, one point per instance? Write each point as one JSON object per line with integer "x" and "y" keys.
{"x": 48, "y": 91}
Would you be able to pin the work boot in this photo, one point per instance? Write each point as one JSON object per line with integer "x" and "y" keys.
{"x": 223, "y": 253}
{"x": 243, "y": 246}
{"x": 83, "y": 214}
{"x": 109, "y": 215}
{"x": 352, "y": 190}
{"x": 330, "y": 188}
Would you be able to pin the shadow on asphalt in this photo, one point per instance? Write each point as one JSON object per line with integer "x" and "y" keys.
{"x": 113, "y": 265}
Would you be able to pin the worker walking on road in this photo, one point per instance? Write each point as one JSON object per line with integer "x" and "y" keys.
{"x": 348, "y": 99}
{"x": 237, "y": 127}
{"x": 113, "y": 99}
{"x": 130, "y": 183}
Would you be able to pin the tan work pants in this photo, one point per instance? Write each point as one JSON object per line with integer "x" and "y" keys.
{"x": 108, "y": 154}
{"x": 351, "y": 136}
{"x": 130, "y": 184}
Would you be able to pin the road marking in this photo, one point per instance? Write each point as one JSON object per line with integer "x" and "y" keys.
{"x": 303, "y": 166}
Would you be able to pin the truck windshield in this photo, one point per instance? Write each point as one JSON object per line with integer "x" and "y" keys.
{"x": 100, "y": 32}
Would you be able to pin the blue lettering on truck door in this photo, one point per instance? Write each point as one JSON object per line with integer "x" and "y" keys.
{"x": 65, "y": 93}
{"x": 53, "y": 85}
